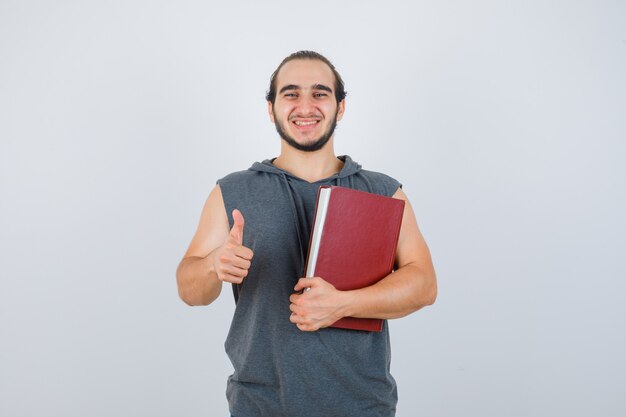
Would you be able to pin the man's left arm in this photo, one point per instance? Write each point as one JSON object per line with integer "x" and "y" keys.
{"x": 411, "y": 286}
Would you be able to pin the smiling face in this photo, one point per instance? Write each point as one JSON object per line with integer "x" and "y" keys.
{"x": 305, "y": 110}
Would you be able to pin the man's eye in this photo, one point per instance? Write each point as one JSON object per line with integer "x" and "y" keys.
{"x": 290, "y": 95}
{"x": 320, "y": 94}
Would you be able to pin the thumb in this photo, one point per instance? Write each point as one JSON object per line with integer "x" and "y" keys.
{"x": 305, "y": 284}
{"x": 237, "y": 231}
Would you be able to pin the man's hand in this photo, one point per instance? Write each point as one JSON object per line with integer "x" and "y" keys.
{"x": 320, "y": 305}
{"x": 231, "y": 261}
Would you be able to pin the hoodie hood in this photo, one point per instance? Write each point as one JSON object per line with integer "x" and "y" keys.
{"x": 349, "y": 168}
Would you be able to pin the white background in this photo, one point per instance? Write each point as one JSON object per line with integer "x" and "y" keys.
{"x": 505, "y": 122}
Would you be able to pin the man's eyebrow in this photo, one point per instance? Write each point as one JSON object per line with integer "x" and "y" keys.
{"x": 322, "y": 87}
{"x": 288, "y": 87}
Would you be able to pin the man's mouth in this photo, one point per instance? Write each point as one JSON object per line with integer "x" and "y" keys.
{"x": 305, "y": 124}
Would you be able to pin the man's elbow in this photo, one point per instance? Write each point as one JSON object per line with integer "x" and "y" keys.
{"x": 427, "y": 295}
{"x": 194, "y": 300}
{"x": 431, "y": 293}
{"x": 186, "y": 298}
{"x": 191, "y": 296}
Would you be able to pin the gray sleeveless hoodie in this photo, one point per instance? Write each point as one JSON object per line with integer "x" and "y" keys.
{"x": 278, "y": 369}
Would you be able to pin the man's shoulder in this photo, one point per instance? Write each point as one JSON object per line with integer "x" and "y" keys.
{"x": 379, "y": 182}
{"x": 376, "y": 175}
{"x": 237, "y": 176}
{"x": 249, "y": 179}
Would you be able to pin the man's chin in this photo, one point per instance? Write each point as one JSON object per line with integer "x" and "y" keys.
{"x": 306, "y": 147}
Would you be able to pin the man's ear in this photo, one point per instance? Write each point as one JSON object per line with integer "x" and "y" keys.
{"x": 270, "y": 111}
{"x": 341, "y": 108}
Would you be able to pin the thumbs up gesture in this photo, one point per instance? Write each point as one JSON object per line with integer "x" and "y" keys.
{"x": 232, "y": 260}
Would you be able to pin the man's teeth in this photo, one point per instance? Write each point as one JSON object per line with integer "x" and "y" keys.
{"x": 299, "y": 123}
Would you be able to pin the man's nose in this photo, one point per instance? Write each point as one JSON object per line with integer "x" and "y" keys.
{"x": 306, "y": 105}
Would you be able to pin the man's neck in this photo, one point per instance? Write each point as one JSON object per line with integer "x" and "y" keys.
{"x": 310, "y": 166}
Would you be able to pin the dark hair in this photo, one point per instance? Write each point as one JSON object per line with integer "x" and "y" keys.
{"x": 340, "y": 92}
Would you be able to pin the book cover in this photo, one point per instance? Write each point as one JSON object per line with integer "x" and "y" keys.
{"x": 353, "y": 242}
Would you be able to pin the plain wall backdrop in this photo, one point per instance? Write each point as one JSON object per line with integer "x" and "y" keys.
{"x": 504, "y": 121}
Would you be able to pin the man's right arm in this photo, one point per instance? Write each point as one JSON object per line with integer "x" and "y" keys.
{"x": 215, "y": 254}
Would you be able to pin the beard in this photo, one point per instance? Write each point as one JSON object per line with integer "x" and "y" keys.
{"x": 316, "y": 145}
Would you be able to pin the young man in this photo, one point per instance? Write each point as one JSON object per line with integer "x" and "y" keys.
{"x": 254, "y": 233}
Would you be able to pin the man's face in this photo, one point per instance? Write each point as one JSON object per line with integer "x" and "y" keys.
{"x": 305, "y": 111}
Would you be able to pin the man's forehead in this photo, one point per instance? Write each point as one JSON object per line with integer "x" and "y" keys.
{"x": 305, "y": 73}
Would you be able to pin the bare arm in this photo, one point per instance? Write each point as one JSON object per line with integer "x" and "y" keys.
{"x": 412, "y": 286}
{"x": 215, "y": 254}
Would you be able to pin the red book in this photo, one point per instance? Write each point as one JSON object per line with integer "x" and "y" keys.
{"x": 353, "y": 242}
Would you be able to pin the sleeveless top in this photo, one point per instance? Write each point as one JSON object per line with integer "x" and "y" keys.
{"x": 280, "y": 370}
